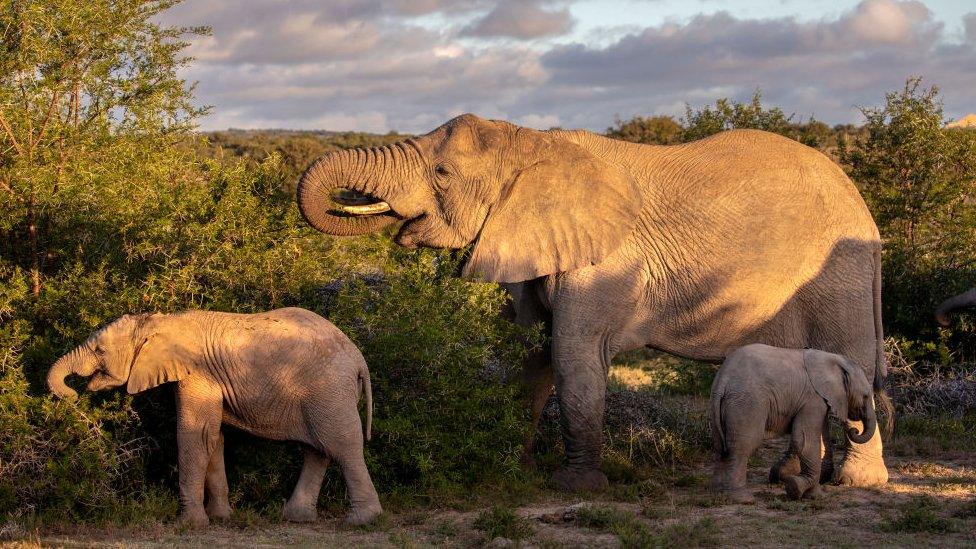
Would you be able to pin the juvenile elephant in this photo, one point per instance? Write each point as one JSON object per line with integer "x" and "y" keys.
{"x": 767, "y": 391}
{"x": 693, "y": 249}
{"x": 286, "y": 374}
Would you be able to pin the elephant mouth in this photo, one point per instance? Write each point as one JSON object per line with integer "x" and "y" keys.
{"x": 352, "y": 203}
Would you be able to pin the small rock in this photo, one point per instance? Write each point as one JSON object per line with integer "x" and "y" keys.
{"x": 552, "y": 518}
{"x": 501, "y": 542}
{"x": 571, "y": 512}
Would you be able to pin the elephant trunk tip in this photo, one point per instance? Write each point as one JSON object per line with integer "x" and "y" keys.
{"x": 856, "y": 437}
{"x": 56, "y": 385}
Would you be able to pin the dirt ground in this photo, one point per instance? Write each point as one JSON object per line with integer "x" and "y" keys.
{"x": 889, "y": 516}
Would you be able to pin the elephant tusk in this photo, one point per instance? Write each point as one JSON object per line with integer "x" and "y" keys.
{"x": 365, "y": 209}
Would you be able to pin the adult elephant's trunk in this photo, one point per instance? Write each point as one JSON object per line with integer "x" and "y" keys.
{"x": 967, "y": 299}
{"x": 870, "y": 424}
{"x": 347, "y": 193}
{"x": 81, "y": 361}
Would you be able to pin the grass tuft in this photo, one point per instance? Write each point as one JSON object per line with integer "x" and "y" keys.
{"x": 918, "y": 515}
{"x": 503, "y": 522}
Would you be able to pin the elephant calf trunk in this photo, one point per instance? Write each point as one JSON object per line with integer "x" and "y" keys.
{"x": 870, "y": 425}
{"x": 56, "y": 376}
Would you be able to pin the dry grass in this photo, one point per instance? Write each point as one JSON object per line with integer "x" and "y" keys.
{"x": 910, "y": 511}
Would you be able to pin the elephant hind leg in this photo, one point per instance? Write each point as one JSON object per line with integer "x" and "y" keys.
{"x": 342, "y": 440}
{"x": 301, "y": 505}
{"x": 847, "y": 327}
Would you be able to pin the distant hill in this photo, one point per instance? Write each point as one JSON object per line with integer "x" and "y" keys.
{"x": 968, "y": 121}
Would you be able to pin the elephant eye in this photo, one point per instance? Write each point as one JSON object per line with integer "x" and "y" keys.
{"x": 441, "y": 169}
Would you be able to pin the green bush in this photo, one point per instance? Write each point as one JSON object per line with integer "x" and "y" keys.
{"x": 440, "y": 356}
{"x": 917, "y": 177}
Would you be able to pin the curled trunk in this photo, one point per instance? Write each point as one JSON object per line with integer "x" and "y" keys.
{"x": 947, "y": 307}
{"x": 80, "y": 361}
{"x": 344, "y": 193}
{"x": 870, "y": 425}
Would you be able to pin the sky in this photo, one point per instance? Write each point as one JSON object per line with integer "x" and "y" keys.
{"x": 411, "y": 65}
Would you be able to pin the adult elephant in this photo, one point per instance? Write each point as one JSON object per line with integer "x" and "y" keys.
{"x": 694, "y": 249}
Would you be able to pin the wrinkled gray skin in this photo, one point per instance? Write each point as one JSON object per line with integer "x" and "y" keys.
{"x": 694, "y": 249}
{"x": 764, "y": 391}
{"x": 948, "y": 307}
{"x": 287, "y": 374}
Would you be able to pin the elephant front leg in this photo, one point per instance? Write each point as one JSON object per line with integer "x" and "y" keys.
{"x": 789, "y": 464}
{"x": 864, "y": 463}
{"x": 218, "y": 504}
{"x": 198, "y": 416}
{"x": 538, "y": 378}
{"x": 581, "y": 385}
{"x": 806, "y": 441}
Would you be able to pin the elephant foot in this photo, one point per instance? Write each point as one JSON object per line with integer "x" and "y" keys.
{"x": 572, "y": 479}
{"x": 862, "y": 472}
{"x": 741, "y": 495}
{"x": 194, "y": 518}
{"x": 814, "y": 493}
{"x": 299, "y": 512}
{"x": 797, "y": 486}
{"x": 219, "y": 510}
{"x": 365, "y": 514}
{"x": 788, "y": 466}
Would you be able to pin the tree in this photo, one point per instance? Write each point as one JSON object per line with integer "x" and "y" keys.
{"x": 919, "y": 180}
{"x": 725, "y": 115}
{"x": 728, "y": 115}
{"x": 655, "y": 130}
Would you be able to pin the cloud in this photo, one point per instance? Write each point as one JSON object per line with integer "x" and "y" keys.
{"x": 410, "y": 65}
{"x": 888, "y": 21}
{"x": 521, "y": 19}
{"x": 969, "y": 24}
{"x": 824, "y": 67}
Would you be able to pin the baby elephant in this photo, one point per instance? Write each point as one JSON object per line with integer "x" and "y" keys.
{"x": 767, "y": 391}
{"x": 287, "y": 374}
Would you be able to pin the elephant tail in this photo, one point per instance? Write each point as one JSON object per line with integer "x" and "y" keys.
{"x": 368, "y": 391}
{"x": 882, "y": 400}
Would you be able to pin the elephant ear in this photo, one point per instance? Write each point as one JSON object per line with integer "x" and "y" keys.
{"x": 829, "y": 375}
{"x": 156, "y": 362}
{"x": 567, "y": 211}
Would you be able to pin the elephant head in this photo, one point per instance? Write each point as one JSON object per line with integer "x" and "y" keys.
{"x": 127, "y": 352}
{"x": 846, "y": 390}
{"x": 532, "y": 202}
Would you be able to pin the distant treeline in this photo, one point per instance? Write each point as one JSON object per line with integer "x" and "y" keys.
{"x": 298, "y": 148}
